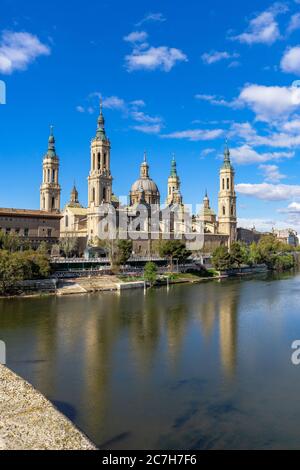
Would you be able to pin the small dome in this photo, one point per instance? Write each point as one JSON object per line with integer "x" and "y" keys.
{"x": 147, "y": 184}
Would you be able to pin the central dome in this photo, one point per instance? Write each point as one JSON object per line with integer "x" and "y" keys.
{"x": 144, "y": 189}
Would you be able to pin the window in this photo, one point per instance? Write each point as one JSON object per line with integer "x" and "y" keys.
{"x": 99, "y": 161}
{"x": 26, "y": 232}
{"x": 48, "y": 173}
{"x": 53, "y": 176}
{"x": 8, "y": 230}
{"x": 224, "y": 210}
{"x": 44, "y": 202}
{"x": 67, "y": 221}
{"x": 94, "y": 161}
{"x": 53, "y": 203}
{"x": 228, "y": 187}
{"x": 93, "y": 195}
{"x": 223, "y": 184}
{"x": 232, "y": 210}
{"x": 104, "y": 194}
{"x": 17, "y": 231}
{"x": 49, "y": 232}
{"x": 104, "y": 160}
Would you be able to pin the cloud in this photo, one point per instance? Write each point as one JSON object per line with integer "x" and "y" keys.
{"x": 290, "y": 61}
{"x": 262, "y": 225}
{"x": 293, "y": 208}
{"x": 195, "y": 135}
{"x": 269, "y": 192}
{"x": 270, "y": 102}
{"x": 272, "y": 173}
{"x": 138, "y": 103}
{"x": 207, "y": 151}
{"x": 136, "y": 36}
{"x": 139, "y": 116}
{"x": 80, "y": 109}
{"x": 217, "y": 100}
{"x": 163, "y": 58}
{"x": 263, "y": 29}
{"x": 215, "y": 56}
{"x": 18, "y": 50}
{"x": 113, "y": 102}
{"x": 294, "y": 23}
{"x": 148, "y": 128}
{"x": 290, "y": 138}
{"x": 246, "y": 155}
{"x": 156, "y": 17}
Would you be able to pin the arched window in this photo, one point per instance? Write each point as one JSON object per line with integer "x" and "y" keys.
{"x": 94, "y": 161}
{"x": 224, "y": 210}
{"x": 48, "y": 175}
{"x": 104, "y": 194}
{"x": 228, "y": 187}
{"x": 223, "y": 184}
{"x": 44, "y": 203}
{"x": 53, "y": 203}
{"x": 104, "y": 160}
{"x": 99, "y": 161}
{"x": 232, "y": 210}
{"x": 53, "y": 176}
{"x": 67, "y": 221}
{"x": 93, "y": 195}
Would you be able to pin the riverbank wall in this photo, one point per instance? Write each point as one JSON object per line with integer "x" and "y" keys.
{"x": 28, "y": 421}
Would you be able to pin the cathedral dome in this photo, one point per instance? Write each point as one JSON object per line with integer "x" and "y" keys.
{"x": 144, "y": 185}
{"x": 147, "y": 184}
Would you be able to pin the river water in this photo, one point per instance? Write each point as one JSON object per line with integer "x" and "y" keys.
{"x": 203, "y": 366}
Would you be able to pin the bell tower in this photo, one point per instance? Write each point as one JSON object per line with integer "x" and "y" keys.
{"x": 227, "y": 220}
{"x": 173, "y": 183}
{"x": 50, "y": 188}
{"x": 100, "y": 179}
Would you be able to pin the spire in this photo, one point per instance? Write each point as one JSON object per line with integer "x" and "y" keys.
{"x": 206, "y": 200}
{"x": 173, "y": 167}
{"x": 227, "y": 163}
{"x": 74, "y": 200}
{"x": 51, "y": 144}
{"x": 145, "y": 167}
{"x": 101, "y": 122}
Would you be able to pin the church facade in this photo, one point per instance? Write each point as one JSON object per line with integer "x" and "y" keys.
{"x": 144, "y": 192}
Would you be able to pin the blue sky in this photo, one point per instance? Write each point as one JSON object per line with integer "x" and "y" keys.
{"x": 176, "y": 77}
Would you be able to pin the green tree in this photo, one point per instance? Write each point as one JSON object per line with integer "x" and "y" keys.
{"x": 237, "y": 254}
{"x": 173, "y": 250}
{"x": 11, "y": 270}
{"x": 69, "y": 246}
{"x": 9, "y": 241}
{"x": 150, "y": 273}
{"x": 221, "y": 258}
{"x": 124, "y": 250}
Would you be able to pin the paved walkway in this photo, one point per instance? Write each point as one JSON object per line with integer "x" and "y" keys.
{"x": 28, "y": 421}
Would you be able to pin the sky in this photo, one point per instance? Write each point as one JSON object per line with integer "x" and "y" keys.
{"x": 176, "y": 78}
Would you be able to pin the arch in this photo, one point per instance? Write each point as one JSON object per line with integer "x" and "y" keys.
{"x": 224, "y": 210}
{"x": 94, "y": 162}
{"x": 67, "y": 221}
{"x": 104, "y": 194}
{"x": 104, "y": 160}
{"x": 223, "y": 184}
{"x": 228, "y": 185}
{"x": 93, "y": 195}
{"x": 99, "y": 161}
{"x": 53, "y": 202}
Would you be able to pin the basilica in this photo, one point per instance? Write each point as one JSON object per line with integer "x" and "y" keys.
{"x": 51, "y": 223}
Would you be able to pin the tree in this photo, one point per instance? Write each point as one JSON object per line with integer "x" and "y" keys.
{"x": 125, "y": 250}
{"x": 69, "y": 246}
{"x": 173, "y": 249}
{"x": 9, "y": 241}
{"x": 254, "y": 254}
{"x": 43, "y": 248}
{"x": 11, "y": 270}
{"x": 221, "y": 258}
{"x": 236, "y": 253}
{"x": 150, "y": 273}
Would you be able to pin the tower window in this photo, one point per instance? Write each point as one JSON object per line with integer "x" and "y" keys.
{"x": 99, "y": 161}
{"x": 104, "y": 194}
{"x": 224, "y": 210}
{"x": 93, "y": 195}
{"x": 53, "y": 203}
{"x": 53, "y": 176}
{"x": 223, "y": 184}
{"x": 104, "y": 160}
{"x": 48, "y": 176}
{"x": 44, "y": 203}
{"x": 228, "y": 187}
{"x": 232, "y": 210}
{"x": 67, "y": 221}
{"x": 94, "y": 161}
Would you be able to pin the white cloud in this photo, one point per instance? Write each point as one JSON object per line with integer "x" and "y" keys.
{"x": 207, "y": 151}
{"x": 158, "y": 17}
{"x": 270, "y": 102}
{"x": 290, "y": 61}
{"x": 138, "y": 103}
{"x": 136, "y": 36}
{"x": 263, "y": 29}
{"x": 272, "y": 173}
{"x": 215, "y": 56}
{"x": 80, "y": 109}
{"x": 163, "y": 58}
{"x": 245, "y": 155}
{"x": 262, "y": 225}
{"x": 195, "y": 135}
{"x": 113, "y": 102}
{"x": 288, "y": 139}
{"x": 139, "y": 116}
{"x": 293, "y": 208}
{"x": 148, "y": 128}
{"x": 269, "y": 192}
{"x": 217, "y": 100}
{"x": 294, "y": 23}
{"x": 18, "y": 50}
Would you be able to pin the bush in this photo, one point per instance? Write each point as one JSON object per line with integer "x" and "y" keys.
{"x": 150, "y": 273}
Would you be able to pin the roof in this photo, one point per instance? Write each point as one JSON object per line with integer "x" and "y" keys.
{"x": 29, "y": 213}
{"x": 147, "y": 184}
{"x": 77, "y": 210}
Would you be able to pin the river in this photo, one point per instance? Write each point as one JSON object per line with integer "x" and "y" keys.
{"x": 203, "y": 366}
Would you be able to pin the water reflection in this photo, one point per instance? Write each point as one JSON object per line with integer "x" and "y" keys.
{"x": 163, "y": 368}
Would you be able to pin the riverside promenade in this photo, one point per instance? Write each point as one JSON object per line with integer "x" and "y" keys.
{"x": 28, "y": 421}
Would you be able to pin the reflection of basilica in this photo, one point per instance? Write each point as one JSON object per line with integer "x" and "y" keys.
{"x": 228, "y": 326}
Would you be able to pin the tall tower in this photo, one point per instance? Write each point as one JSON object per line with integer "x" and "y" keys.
{"x": 100, "y": 179}
{"x": 173, "y": 183}
{"x": 227, "y": 199}
{"x": 50, "y": 188}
